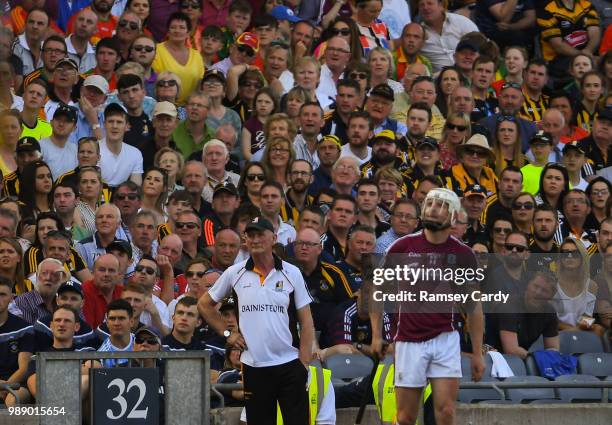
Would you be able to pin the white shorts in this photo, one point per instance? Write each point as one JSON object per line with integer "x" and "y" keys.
{"x": 439, "y": 357}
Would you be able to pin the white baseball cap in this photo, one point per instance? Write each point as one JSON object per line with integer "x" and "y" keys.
{"x": 98, "y": 82}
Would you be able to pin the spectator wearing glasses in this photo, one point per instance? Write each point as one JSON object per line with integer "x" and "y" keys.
{"x": 523, "y": 206}
{"x": 359, "y": 72}
{"x": 41, "y": 302}
{"x": 242, "y": 52}
{"x": 576, "y": 208}
{"x": 174, "y": 55}
{"x": 65, "y": 79}
{"x": 337, "y": 55}
{"x": 53, "y": 51}
{"x": 244, "y": 82}
{"x": 193, "y": 9}
{"x": 155, "y": 314}
{"x": 457, "y": 130}
{"x": 510, "y": 103}
{"x": 598, "y": 191}
{"x": 576, "y": 297}
{"x": 189, "y": 228}
{"x": 129, "y": 28}
{"x": 191, "y": 283}
{"x": 474, "y": 157}
{"x": 142, "y": 51}
{"x": 327, "y": 283}
{"x": 404, "y": 220}
{"x": 500, "y": 228}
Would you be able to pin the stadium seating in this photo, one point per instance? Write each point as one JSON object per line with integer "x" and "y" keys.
{"x": 346, "y": 368}
{"x": 596, "y": 364}
{"x": 525, "y": 395}
{"x": 580, "y": 342}
{"x": 579, "y": 395}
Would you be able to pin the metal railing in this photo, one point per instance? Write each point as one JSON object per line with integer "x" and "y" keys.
{"x": 499, "y": 386}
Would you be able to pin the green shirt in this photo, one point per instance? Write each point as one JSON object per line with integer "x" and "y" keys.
{"x": 184, "y": 140}
{"x": 531, "y": 178}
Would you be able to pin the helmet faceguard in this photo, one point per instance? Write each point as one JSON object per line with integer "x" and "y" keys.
{"x": 440, "y": 209}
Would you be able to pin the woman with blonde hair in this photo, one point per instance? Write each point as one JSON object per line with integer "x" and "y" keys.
{"x": 277, "y": 159}
{"x": 307, "y": 73}
{"x": 294, "y": 100}
{"x": 457, "y": 130}
{"x": 507, "y": 145}
{"x": 391, "y": 187}
{"x": 382, "y": 68}
{"x": 576, "y": 295}
{"x": 172, "y": 162}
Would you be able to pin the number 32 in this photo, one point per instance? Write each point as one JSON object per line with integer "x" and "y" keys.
{"x": 135, "y": 413}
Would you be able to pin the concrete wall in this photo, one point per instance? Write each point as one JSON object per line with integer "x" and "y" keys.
{"x": 558, "y": 414}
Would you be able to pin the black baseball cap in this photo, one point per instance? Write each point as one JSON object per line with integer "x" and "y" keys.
{"x": 70, "y": 286}
{"x": 67, "y": 111}
{"x": 383, "y": 90}
{"x": 542, "y": 136}
{"x": 228, "y": 304}
{"x": 575, "y": 145}
{"x": 114, "y": 107}
{"x": 27, "y": 144}
{"x": 151, "y": 331}
{"x": 428, "y": 141}
{"x": 225, "y": 187}
{"x": 259, "y": 224}
{"x": 214, "y": 73}
{"x": 120, "y": 245}
{"x": 475, "y": 189}
{"x": 467, "y": 44}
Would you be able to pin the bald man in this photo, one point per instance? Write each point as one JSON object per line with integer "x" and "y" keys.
{"x": 337, "y": 55}
{"x": 78, "y": 46}
{"x": 403, "y": 100}
{"x": 102, "y": 289}
{"x": 553, "y": 122}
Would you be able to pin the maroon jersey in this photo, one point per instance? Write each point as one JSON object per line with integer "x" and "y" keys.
{"x": 425, "y": 319}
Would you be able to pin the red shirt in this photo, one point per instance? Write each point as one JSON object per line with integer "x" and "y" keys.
{"x": 94, "y": 306}
{"x": 428, "y": 319}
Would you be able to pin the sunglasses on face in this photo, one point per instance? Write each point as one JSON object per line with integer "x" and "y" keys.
{"x": 194, "y": 274}
{"x": 145, "y": 269}
{"x": 358, "y": 76}
{"x": 130, "y": 196}
{"x": 246, "y": 50}
{"x": 341, "y": 31}
{"x": 166, "y": 83}
{"x": 188, "y": 5}
{"x": 518, "y": 248}
{"x": 253, "y": 177}
{"x": 478, "y": 152}
{"x": 523, "y": 206}
{"x": 502, "y": 230}
{"x": 150, "y": 341}
{"x": 147, "y": 49}
{"x": 189, "y": 225}
{"x": 132, "y": 25}
{"x": 456, "y": 127}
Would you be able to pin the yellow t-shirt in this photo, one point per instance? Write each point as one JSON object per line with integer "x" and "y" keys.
{"x": 41, "y": 130}
{"x": 190, "y": 73}
{"x": 531, "y": 178}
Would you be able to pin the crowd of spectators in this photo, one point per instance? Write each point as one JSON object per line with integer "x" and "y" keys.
{"x": 138, "y": 139}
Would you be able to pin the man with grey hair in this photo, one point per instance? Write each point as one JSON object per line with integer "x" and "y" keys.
{"x": 553, "y": 122}
{"x": 192, "y": 133}
{"x": 40, "y": 302}
{"x": 345, "y": 174}
{"x": 215, "y": 157}
{"x": 227, "y": 134}
{"x": 8, "y": 223}
{"x": 108, "y": 222}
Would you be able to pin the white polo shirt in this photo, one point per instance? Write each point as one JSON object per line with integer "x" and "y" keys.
{"x": 440, "y": 48}
{"x": 266, "y": 309}
{"x": 118, "y": 168}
